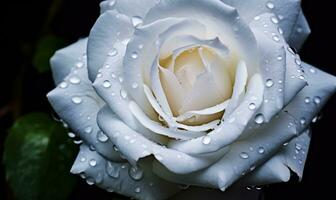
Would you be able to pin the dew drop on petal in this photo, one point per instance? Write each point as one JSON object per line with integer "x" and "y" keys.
{"x": 93, "y": 163}
{"x": 76, "y": 100}
{"x": 261, "y": 150}
{"x": 206, "y": 140}
{"x": 111, "y": 170}
{"x": 244, "y": 155}
{"x": 302, "y": 121}
{"x": 74, "y": 80}
{"x": 137, "y": 190}
{"x": 134, "y": 55}
{"x": 71, "y": 135}
{"x": 135, "y": 172}
{"x": 107, "y": 84}
{"x": 123, "y": 93}
{"x": 259, "y": 118}
{"x": 134, "y": 85}
{"x": 269, "y": 83}
{"x": 317, "y": 100}
{"x": 79, "y": 64}
{"x": 63, "y": 85}
{"x": 252, "y": 106}
{"x": 101, "y": 136}
{"x": 270, "y": 5}
{"x": 274, "y": 20}
{"x": 276, "y": 38}
{"x": 111, "y": 3}
{"x": 88, "y": 129}
{"x": 257, "y": 18}
{"x": 307, "y": 100}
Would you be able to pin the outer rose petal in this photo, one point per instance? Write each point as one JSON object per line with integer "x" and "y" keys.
{"x": 108, "y": 29}
{"x": 77, "y": 104}
{"x": 117, "y": 177}
{"x": 65, "y": 59}
{"x": 289, "y": 13}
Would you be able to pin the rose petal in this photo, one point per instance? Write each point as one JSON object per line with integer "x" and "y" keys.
{"x": 108, "y": 29}
{"x": 137, "y": 182}
{"x": 131, "y": 8}
{"x": 229, "y": 130}
{"x": 300, "y": 32}
{"x": 222, "y": 21}
{"x": 288, "y": 13}
{"x": 134, "y": 146}
{"x": 75, "y": 101}
{"x": 65, "y": 59}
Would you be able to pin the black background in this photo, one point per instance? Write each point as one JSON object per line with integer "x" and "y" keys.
{"x": 20, "y": 28}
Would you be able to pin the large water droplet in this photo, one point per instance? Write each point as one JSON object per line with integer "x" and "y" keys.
{"x": 274, "y": 20}
{"x": 93, "y": 162}
{"x": 317, "y": 100}
{"x": 134, "y": 55}
{"x": 252, "y": 106}
{"x": 107, "y": 84}
{"x": 88, "y": 129}
{"x": 206, "y": 140}
{"x": 74, "y": 80}
{"x": 63, "y": 85}
{"x": 101, "y": 136}
{"x": 136, "y": 21}
{"x": 137, "y": 190}
{"x": 135, "y": 172}
{"x": 76, "y": 100}
{"x": 244, "y": 155}
{"x": 270, "y": 5}
{"x": 111, "y": 170}
{"x": 259, "y": 118}
{"x": 261, "y": 150}
{"x": 123, "y": 93}
{"x": 269, "y": 83}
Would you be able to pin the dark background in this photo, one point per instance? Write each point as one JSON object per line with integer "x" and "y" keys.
{"x": 23, "y": 89}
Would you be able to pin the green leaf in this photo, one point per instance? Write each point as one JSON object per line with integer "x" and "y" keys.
{"x": 46, "y": 47}
{"x": 38, "y": 156}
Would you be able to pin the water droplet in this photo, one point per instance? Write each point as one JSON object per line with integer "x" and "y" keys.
{"x": 279, "y": 58}
{"x": 121, "y": 79}
{"x": 101, "y": 136}
{"x": 276, "y": 38}
{"x": 206, "y": 140}
{"x": 298, "y": 61}
{"x": 134, "y": 55}
{"x": 113, "y": 52}
{"x": 303, "y": 121}
{"x": 135, "y": 172}
{"x": 79, "y": 64}
{"x": 261, "y": 150}
{"x": 298, "y": 146}
{"x": 71, "y": 135}
{"x": 134, "y": 85}
{"x": 136, "y": 21}
{"x": 107, "y": 84}
{"x": 111, "y": 3}
{"x": 89, "y": 181}
{"x": 93, "y": 163}
{"x": 111, "y": 170}
{"x": 123, "y": 93}
{"x": 317, "y": 100}
{"x": 314, "y": 120}
{"x": 313, "y": 71}
{"x": 244, "y": 155}
{"x": 63, "y": 85}
{"x": 270, "y": 5}
{"x": 137, "y": 190}
{"x": 78, "y": 141}
{"x": 307, "y": 100}
{"x": 252, "y": 106}
{"x": 299, "y": 30}
{"x": 259, "y": 118}
{"x": 74, "y": 80}
{"x": 269, "y": 83}
{"x": 88, "y": 129}
{"x": 99, "y": 178}
{"x": 280, "y": 31}
{"x": 141, "y": 46}
{"x": 274, "y": 20}
{"x": 113, "y": 75}
{"x": 301, "y": 77}
{"x": 257, "y": 18}
{"x": 76, "y": 100}
{"x": 92, "y": 148}
{"x": 82, "y": 159}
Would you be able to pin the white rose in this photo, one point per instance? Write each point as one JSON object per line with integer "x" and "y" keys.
{"x": 202, "y": 93}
